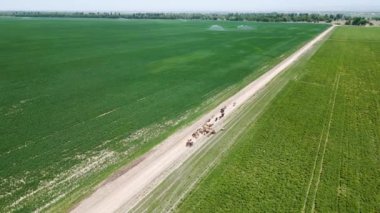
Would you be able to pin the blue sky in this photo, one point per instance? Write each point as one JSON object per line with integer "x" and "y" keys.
{"x": 192, "y": 5}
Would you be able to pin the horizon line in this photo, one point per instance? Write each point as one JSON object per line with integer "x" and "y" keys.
{"x": 201, "y": 11}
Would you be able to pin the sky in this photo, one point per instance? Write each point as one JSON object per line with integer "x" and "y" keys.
{"x": 191, "y": 5}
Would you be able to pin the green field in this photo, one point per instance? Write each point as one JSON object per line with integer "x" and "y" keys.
{"x": 80, "y": 98}
{"x": 316, "y": 147}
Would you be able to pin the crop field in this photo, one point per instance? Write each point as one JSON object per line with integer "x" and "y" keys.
{"x": 316, "y": 146}
{"x": 81, "y": 98}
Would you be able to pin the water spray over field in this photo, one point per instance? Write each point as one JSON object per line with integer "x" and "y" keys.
{"x": 245, "y": 27}
{"x": 216, "y": 28}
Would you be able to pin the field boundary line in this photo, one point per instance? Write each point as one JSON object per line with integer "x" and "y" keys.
{"x": 317, "y": 155}
{"x": 325, "y": 144}
{"x": 313, "y": 170}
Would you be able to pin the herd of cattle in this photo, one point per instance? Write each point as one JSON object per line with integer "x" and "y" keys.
{"x": 207, "y": 129}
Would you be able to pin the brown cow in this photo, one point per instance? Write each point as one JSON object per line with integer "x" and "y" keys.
{"x": 189, "y": 143}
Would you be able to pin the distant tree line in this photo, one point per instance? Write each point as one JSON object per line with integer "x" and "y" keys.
{"x": 259, "y": 17}
{"x": 358, "y": 21}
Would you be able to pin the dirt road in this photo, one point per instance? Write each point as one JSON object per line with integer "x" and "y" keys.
{"x": 127, "y": 190}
